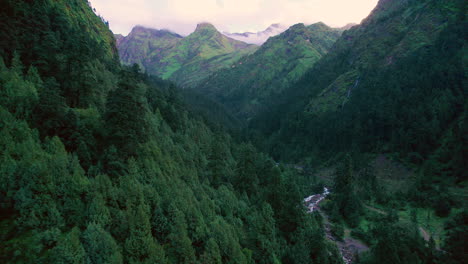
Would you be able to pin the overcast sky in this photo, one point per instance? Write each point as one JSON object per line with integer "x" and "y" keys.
{"x": 181, "y": 16}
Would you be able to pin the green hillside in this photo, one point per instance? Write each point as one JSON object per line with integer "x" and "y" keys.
{"x": 393, "y": 87}
{"x": 185, "y": 61}
{"x": 253, "y": 81}
{"x": 143, "y": 45}
{"x": 352, "y": 91}
{"x": 100, "y": 163}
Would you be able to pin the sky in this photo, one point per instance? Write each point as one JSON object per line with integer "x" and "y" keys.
{"x": 182, "y": 16}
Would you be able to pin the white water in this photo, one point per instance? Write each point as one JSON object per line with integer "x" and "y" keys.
{"x": 313, "y": 201}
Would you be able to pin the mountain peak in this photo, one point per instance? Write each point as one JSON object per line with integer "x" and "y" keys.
{"x": 319, "y": 26}
{"x": 142, "y": 30}
{"x": 205, "y": 26}
{"x": 298, "y": 25}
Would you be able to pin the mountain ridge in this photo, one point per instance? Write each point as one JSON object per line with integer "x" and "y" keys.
{"x": 392, "y": 34}
{"x": 185, "y": 60}
{"x": 282, "y": 59}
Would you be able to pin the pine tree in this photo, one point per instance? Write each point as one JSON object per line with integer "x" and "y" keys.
{"x": 98, "y": 212}
{"x": 211, "y": 255}
{"x": 126, "y": 117}
{"x": 181, "y": 246}
{"x": 100, "y": 246}
{"x": 348, "y": 203}
{"x": 140, "y": 246}
{"x": 69, "y": 249}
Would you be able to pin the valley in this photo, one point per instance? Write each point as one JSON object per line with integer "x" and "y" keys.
{"x": 295, "y": 144}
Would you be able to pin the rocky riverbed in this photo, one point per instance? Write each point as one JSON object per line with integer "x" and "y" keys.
{"x": 349, "y": 247}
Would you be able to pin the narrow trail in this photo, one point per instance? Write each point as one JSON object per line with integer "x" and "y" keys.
{"x": 375, "y": 209}
{"x": 424, "y": 234}
{"x": 349, "y": 247}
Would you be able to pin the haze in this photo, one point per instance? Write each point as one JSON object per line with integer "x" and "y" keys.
{"x": 181, "y": 16}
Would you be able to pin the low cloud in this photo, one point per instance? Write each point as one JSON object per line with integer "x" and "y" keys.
{"x": 182, "y": 16}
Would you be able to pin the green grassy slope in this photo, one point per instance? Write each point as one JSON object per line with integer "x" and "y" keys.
{"x": 254, "y": 80}
{"x": 183, "y": 60}
{"x": 144, "y": 45}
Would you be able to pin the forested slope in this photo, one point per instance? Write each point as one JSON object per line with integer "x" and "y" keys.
{"x": 394, "y": 83}
{"x": 253, "y": 81}
{"x": 393, "y": 87}
{"x": 102, "y": 164}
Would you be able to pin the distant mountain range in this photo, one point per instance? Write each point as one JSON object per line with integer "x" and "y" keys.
{"x": 242, "y": 76}
{"x": 190, "y": 60}
{"x": 258, "y": 38}
{"x": 185, "y": 60}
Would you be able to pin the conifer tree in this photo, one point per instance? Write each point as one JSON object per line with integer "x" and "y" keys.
{"x": 100, "y": 246}
{"x": 69, "y": 249}
{"x": 140, "y": 246}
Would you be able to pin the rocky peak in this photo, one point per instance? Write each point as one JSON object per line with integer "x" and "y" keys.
{"x": 151, "y": 32}
{"x": 205, "y": 27}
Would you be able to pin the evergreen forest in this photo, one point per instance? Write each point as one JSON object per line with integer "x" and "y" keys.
{"x": 133, "y": 150}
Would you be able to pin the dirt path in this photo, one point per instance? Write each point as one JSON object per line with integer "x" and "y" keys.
{"x": 375, "y": 210}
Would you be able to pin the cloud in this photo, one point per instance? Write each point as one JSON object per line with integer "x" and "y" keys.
{"x": 182, "y": 16}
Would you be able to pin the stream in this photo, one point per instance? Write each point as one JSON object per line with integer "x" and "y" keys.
{"x": 349, "y": 247}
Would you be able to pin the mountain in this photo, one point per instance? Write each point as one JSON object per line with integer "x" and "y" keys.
{"x": 143, "y": 43}
{"x": 118, "y": 38}
{"x": 185, "y": 60}
{"x": 260, "y": 37}
{"x": 396, "y": 83}
{"x": 255, "y": 79}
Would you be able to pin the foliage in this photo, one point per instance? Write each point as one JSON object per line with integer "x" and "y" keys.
{"x": 100, "y": 163}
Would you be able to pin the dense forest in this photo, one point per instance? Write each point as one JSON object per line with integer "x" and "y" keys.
{"x": 103, "y": 163}
{"x": 393, "y": 87}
